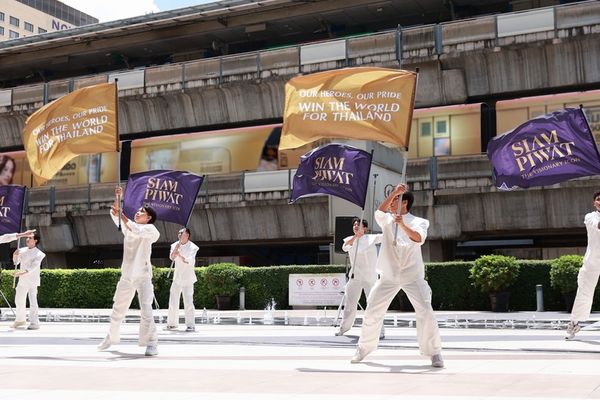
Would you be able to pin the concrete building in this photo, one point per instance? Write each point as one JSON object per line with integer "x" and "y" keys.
{"x": 22, "y": 18}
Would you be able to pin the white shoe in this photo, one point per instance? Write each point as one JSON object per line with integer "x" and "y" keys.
{"x": 105, "y": 344}
{"x": 359, "y": 355}
{"x": 151, "y": 350}
{"x": 340, "y": 331}
{"x": 437, "y": 361}
{"x": 190, "y": 329}
{"x": 572, "y": 329}
{"x": 382, "y": 334}
{"x": 33, "y": 327}
{"x": 17, "y": 324}
{"x": 170, "y": 328}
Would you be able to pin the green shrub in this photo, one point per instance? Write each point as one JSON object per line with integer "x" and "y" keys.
{"x": 223, "y": 279}
{"x": 494, "y": 273}
{"x": 564, "y": 271}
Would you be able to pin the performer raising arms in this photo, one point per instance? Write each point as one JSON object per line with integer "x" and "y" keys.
{"x": 29, "y": 259}
{"x": 400, "y": 264}
{"x": 136, "y": 276}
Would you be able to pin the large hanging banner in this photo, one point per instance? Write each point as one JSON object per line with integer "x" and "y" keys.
{"x": 352, "y": 103}
{"x": 82, "y": 122}
{"x": 11, "y": 208}
{"x": 172, "y": 194}
{"x": 543, "y": 151}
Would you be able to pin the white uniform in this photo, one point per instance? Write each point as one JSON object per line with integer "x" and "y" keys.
{"x": 29, "y": 260}
{"x": 136, "y": 275}
{"x": 590, "y": 270}
{"x": 363, "y": 274}
{"x": 8, "y": 237}
{"x": 401, "y": 267}
{"x": 183, "y": 281}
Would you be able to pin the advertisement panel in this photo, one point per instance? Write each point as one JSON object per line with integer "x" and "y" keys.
{"x": 316, "y": 289}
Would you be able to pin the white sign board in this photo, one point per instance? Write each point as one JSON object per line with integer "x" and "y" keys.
{"x": 316, "y": 289}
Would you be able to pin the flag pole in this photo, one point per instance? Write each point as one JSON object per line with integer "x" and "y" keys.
{"x": 20, "y": 229}
{"x": 118, "y": 144}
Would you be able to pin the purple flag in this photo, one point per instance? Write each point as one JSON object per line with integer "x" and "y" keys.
{"x": 543, "y": 151}
{"x": 11, "y": 208}
{"x": 171, "y": 194}
{"x": 335, "y": 169}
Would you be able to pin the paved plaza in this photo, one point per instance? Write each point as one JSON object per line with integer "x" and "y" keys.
{"x": 295, "y": 355}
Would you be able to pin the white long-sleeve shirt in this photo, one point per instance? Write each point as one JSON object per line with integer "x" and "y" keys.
{"x": 8, "y": 237}
{"x": 29, "y": 260}
{"x": 137, "y": 248}
{"x": 402, "y": 263}
{"x": 185, "y": 275}
{"x": 363, "y": 260}
{"x": 592, "y": 253}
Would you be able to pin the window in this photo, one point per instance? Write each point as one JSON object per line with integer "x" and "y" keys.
{"x": 1, "y": 16}
{"x": 441, "y": 127}
{"x": 42, "y": 30}
{"x": 1, "y": 31}
{"x": 13, "y": 34}
{"x": 14, "y": 21}
{"x": 425, "y": 128}
{"x": 28, "y": 26}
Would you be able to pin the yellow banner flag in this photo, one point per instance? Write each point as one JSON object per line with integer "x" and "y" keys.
{"x": 353, "y": 103}
{"x": 82, "y": 122}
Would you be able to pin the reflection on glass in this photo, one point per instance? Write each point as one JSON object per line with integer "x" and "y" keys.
{"x": 441, "y": 147}
{"x": 162, "y": 158}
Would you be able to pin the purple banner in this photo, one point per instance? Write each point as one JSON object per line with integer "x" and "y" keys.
{"x": 11, "y": 208}
{"x": 171, "y": 194}
{"x": 543, "y": 151}
{"x": 335, "y": 169}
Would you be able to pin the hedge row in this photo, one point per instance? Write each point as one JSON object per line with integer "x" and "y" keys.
{"x": 452, "y": 289}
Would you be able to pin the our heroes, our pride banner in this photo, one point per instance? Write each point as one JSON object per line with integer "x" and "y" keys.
{"x": 82, "y": 122}
{"x": 543, "y": 151}
{"x": 171, "y": 194}
{"x": 334, "y": 169}
{"x": 11, "y": 208}
{"x": 358, "y": 103}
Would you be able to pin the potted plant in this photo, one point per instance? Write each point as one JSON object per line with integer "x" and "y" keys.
{"x": 563, "y": 276}
{"x": 494, "y": 274}
{"x": 223, "y": 281}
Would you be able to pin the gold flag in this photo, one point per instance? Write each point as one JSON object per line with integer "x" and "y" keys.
{"x": 353, "y": 103}
{"x": 82, "y": 122}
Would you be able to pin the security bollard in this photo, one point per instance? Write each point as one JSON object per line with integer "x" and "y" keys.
{"x": 539, "y": 296}
{"x": 242, "y": 298}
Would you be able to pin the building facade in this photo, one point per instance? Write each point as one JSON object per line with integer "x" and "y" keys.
{"x": 22, "y": 18}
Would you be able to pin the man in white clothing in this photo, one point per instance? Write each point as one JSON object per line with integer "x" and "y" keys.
{"x": 183, "y": 253}
{"x": 587, "y": 279}
{"x": 400, "y": 265}
{"x": 29, "y": 259}
{"x": 11, "y": 237}
{"x": 362, "y": 250}
{"x": 136, "y": 276}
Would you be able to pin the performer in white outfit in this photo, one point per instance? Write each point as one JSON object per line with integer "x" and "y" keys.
{"x": 11, "y": 237}
{"x": 362, "y": 274}
{"x": 183, "y": 253}
{"x": 587, "y": 279}
{"x": 400, "y": 264}
{"x": 29, "y": 259}
{"x": 136, "y": 276}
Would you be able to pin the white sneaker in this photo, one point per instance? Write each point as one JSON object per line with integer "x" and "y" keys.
{"x": 190, "y": 329}
{"x": 437, "y": 361}
{"x": 572, "y": 329}
{"x": 105, "y": 344}
{"x": 340, "y": 332}
{"x": 170, "y": 328}
{"x": 382, "y": 334}
{"x": 33, "y": 327}
{"x": 17, "y": 324}
{"x": 359, "y": 355}
{"x": 151, "y": 350}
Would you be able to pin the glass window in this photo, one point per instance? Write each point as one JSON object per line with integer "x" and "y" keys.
{"x": 442, "y": 128}
{"x": 28, "y": 26}
{"x": 1, "y": 31}
{"x": 13, "y": 34}
{"x": 42, "y": 30}
{"x": 441, "y": 147}
{"x": 425, "y": 128}
{"x": 1, "y": 16}
{"x": 14, "y": 21}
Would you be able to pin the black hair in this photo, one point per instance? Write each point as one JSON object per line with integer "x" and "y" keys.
{"x": 187, "y": 230}
{"x": 150, "y": 211}
{"x": 596, "y": 194}
{"x": 365, "y": 224}
{"x": 410, "y": 199}
{"x": 36, "y": 237}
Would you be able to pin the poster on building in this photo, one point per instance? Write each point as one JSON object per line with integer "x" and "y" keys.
{"x": 316, "y": 289}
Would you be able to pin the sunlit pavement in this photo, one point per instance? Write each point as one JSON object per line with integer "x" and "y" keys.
{"x": 240, "y": 358}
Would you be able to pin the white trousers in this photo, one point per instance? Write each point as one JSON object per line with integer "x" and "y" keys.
{"x": 188, "y": 305}
{"x": 21, "y": 294}
{"x": 352, "y": 292}
{"x": 122, "y": 300}
{"x": 419, "y": 294}
{"x": 586, "y": 285}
